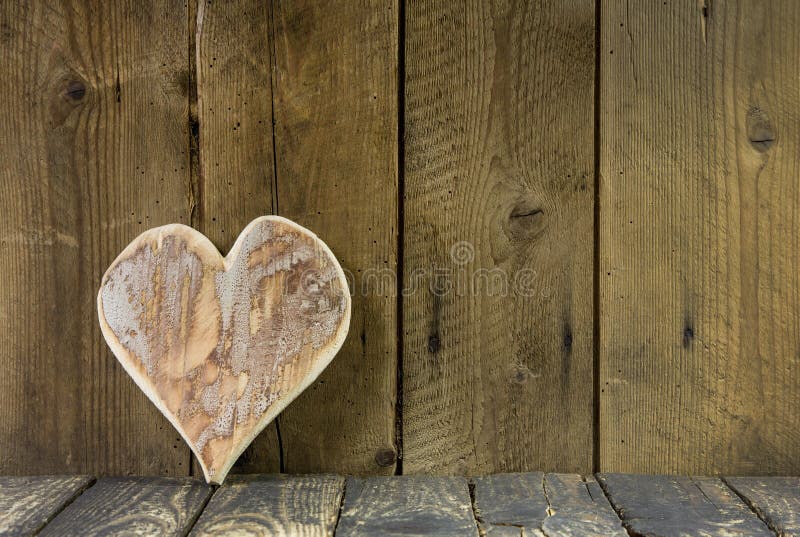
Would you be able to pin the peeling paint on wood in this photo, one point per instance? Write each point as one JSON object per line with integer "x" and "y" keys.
{"x": 222, "y": 345}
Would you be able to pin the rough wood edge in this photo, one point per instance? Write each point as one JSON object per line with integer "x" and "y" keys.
{"x": 326, "y": 354}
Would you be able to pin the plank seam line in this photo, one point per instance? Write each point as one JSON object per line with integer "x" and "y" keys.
{"x": 194, "y": 28}
{"x": 631, "y": 532}
{"x": 273, "y": 85}
{"x": 193, "y": 521}
{"x": 90, "y": 483}
{"x": 596, "y": 260}
{"x": 274, "y": 201}
{"x": 341, "y": 507}
{"x": 401, "y": 193}
{"x": 758, "y": 512}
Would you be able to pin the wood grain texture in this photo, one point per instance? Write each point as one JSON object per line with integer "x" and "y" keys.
{"x": 335, "y": 97}
{"x": 776, "y": 500}
{"x": 273, "y": 505}
{"x": 578, "y": 507}
{"x": 222, "y": 345}
{"x": 234, "y": 175}
{"x": 543, "y": 504}
{"x": 498, "y": 226}
{"x": 675, "y": 506}
{"x": 132, "y": 506}
{"x": 699, "y": 204}
{"x": 407, "y": 505}
{"x": 28, "y": 503}
{"x": 94, "y": 150}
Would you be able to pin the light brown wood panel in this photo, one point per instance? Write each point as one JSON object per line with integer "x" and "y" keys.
{"x": 699, "y": 205}
{"x": 234, "y": 172}
{"x": 498, "y": 236}
{"x": 335, "y": 99}
{"x": 94, "y": 150}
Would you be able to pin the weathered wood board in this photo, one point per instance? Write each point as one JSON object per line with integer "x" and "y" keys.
{"x": 158, "y": 507}
{"x": 335, "y": 94}
{"x": 222, "y": 345}
{"x": 699, "y": 203}
{"x": 677, "y": 506}
{"x": 775, "y": 499}
{"x": 407, "y": 505}
{"x": 537, "y": 504}
{"x": 94, "y": 150}
{"x": 28, "y": 503}
{"x": 498, "y": 226}
{"x": 276, "y": 505}
{"x": 233, "y": 177}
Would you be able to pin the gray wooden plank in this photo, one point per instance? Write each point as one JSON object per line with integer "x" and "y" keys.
{"x": 407, "y": 505}
{"x": 673, "y": 506}
{"x": 510, "y": 500}
{"x": 775, "y": 499}
{"x": 155, "y": 506}
{"x": 273, "y": 505}
{"x": 549, "y": 504}
{"x": 28, "y": 503}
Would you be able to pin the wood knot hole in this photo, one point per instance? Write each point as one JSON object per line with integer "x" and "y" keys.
{"x": 76, "y": 90}
{"x": 385, "y": 457}
{"x": 760, "y": 132}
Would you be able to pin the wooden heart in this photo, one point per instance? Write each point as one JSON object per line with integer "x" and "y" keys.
{"x": 222, "y": 345}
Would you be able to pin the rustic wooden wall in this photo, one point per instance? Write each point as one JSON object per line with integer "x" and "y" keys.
{"x": 591, "y": 206}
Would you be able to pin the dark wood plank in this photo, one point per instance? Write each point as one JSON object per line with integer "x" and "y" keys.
{"x": 556, "y": 504}
{"x": 775, "y": 499}
{"x": 335, "y": 98}
{"x": 234, "y": 172}
{"x": 699, "y": 199}
{"x": 675, "y": 506}
{"x": 28, "y": 503}
{"x": 407, "y": 505}
{"x": 133, "y": 506}
{"x": 94, "y": 145}
{"x": 273, "y": 505}
{"x": 498, "y": 225}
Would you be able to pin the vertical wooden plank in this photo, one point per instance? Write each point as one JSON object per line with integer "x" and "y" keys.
{"x": 94, "y": 148}
{"x": 700, "y": 317}
{"x": 409, "y": 505}
{"x": 28, "y": 503}
{"x": 335, "y": 99}
{"x": 235, "y": 172}
{"x": 273, "y": 505}
{"x": 133, "y": 506}
{"x": 498, "y": 236}
{"x": 776, "y": 500}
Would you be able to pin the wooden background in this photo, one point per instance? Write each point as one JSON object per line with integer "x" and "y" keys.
{"x": 631, "y": 169}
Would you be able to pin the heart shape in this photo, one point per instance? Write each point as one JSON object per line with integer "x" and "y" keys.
{"x": 222, "y": 345}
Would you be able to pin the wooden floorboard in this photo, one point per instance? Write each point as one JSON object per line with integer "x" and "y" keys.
{"x": 775, "y": 499}
{"x": 676, "y": 506}
{"x": 273, "y": 505}
{"x": 556, "y": 504}
{"x": 28, "y": 503}
{"x": 133, "y": 506}
{"x": 407, "y": 506}
{"x": 520, "y": 505}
